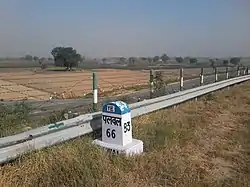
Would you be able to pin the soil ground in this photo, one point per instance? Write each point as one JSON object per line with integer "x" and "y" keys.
{"x": 27, "y": 84}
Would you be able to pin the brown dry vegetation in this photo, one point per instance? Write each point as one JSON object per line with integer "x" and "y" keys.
{"x": 41, "y": 85}
{"x": 203, "y": 143}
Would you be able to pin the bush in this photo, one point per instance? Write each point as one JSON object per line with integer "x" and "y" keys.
{"x": 159, "y": 83}
{"x": 13, "y": 119}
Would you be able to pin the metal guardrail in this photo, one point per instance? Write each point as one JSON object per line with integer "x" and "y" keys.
{"x": 52, "y": 134}
{"x": 51, "y": 128}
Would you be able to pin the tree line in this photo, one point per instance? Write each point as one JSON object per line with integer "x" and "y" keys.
{"x": 68, "y": 57}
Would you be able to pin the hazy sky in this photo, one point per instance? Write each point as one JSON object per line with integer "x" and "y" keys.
{"x": 126, "y": 27}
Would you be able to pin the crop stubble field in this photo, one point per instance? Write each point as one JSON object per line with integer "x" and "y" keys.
{"x": 26, "y": 84}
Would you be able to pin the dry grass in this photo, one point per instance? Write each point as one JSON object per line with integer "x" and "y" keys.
{"x": 203, "y": 143}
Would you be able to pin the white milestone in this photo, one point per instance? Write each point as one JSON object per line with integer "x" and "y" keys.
{"x": 117, "y": 130}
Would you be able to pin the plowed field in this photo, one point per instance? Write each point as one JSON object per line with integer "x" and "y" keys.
{"x": 41, "y": 85}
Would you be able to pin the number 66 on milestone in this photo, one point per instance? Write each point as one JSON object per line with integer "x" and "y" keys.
{"x": 110, "y": 133}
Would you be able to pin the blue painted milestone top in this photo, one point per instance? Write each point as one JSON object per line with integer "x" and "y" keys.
{"x": 116, "y": 107}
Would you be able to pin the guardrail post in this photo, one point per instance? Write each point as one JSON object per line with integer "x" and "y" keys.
{"x": 201, "y": 77}
{"x": 246, "y": 73}
{"x": 227, "y": 76}
{"x": 151, "y": 83}
{"x": 243, "y": 71}
{"x": 181, "y": 79}
{"x": 215, "y": 75}
{"x": 238, "y": 71}
{"x": 95, "y": 92}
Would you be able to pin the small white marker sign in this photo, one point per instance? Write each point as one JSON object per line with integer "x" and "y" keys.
{"x": 116, "y": 123}
{"x": 117, "y": 130}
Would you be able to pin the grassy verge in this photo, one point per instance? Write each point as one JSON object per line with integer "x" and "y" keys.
{"x": 13, "y": 119}
{"x": 16, "y": 119}
{"x": 203, "y": 143}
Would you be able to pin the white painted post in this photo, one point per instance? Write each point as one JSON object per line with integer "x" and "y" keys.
{"x": 244, "y": 71}
{"x": 238, "y": 71}
{"x": 117, "y": 130}
{"x": 215, "y": 75}
{"x": 227, "y": 76}
{"x": 151, "y": 83}
{"x": 181, "y": 79}
{"x": 95, "y": 92}
{"x": 201, "y": 77}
